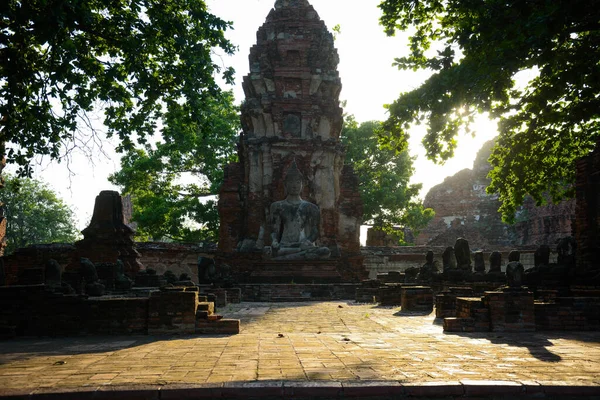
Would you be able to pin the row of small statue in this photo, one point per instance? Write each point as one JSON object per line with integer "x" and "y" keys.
{"x": 457, "y": 263}
{"x": 88, "y": 275}
{"x": 89, "y": 282}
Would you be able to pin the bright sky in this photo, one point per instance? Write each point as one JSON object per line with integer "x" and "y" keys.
{"x": 368, "y": 79}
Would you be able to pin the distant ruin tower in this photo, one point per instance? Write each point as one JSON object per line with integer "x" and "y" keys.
{"x": 291, "y": 112}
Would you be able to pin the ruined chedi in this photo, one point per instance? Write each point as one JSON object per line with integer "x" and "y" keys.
{"x": 291, "y": 118}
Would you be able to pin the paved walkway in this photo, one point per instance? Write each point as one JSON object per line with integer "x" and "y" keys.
{"x": 335, "y": 346}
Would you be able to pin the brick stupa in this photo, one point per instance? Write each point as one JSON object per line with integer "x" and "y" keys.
{"x": 291, "y": 113}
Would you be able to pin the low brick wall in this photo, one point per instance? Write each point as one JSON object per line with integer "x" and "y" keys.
{"x": 176, "y": 257}
{"x": 568, "y": 314}
{"x": 367, "y": 295}
{"x": 172, "y": 312}
{"x": 298, "y": 292}
{"x": 33, "y": 311}
{"x": 116, "y": 316}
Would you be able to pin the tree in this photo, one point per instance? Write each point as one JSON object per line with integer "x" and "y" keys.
{"x": 145, "y": 63}
{"x": 169, "y": 181}
{"x": 388, "y": 197}
{"x": 481, "y": 49}
{"x": 34, "y": 214}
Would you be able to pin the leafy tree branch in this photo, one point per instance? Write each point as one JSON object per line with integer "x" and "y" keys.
{"x": 476, "y": 51}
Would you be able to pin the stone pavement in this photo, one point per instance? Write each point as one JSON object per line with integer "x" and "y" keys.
{"x": 335, "y": 349}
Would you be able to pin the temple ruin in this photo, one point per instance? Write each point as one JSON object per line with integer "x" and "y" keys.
{"x": 290, "y": 215}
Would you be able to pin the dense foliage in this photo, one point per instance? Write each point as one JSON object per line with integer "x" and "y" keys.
{"x": 170, "y": 181}
{"x": 389, "y": 199}
{"x": 147, "y": 64}
{"x": 477, "y": 50}
{"x": 34, "y": 214}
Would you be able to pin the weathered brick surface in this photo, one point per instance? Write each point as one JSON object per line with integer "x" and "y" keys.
{"x": 568, "y": 314}
{"x": 510, "y": 310}
{"x": 472, "y": 315}
{"x": 116, "y": 316}
{"x": 172, "y": 312}
{"x": 417, "y": 298}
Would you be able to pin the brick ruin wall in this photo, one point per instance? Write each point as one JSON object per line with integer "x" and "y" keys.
{"x": 464, "y": 209}
{"x": 587, "y": 218}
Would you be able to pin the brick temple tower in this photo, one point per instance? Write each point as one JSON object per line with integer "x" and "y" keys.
{"x": 291, "y": 112}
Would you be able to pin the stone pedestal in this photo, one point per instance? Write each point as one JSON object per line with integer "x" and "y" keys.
{"x": 417, "y": 298}
{"x": 510, "y": 310}
{"x": 390, "y": 295}
{"x": 107, "y": 238}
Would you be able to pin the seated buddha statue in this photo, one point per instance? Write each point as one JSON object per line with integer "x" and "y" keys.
{"x": 295, "y": 223}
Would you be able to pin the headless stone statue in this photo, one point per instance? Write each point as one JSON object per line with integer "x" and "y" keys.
{"x": 514, "y": 274}
{"x": 93, "y": 286}
{"x": 495, "y": 263}
{"x": 429, "y": 269}
{"x": 448, "y": 259}
{"x": 463, "y": 255}
{"x": 479, "y": 262}
{"x": 566, "y": 252}
{"x": 122, "y": 281}
{"x": 295, "y": 223}
{"x": 52, "y": 274}
{"x": 541, "y": 257}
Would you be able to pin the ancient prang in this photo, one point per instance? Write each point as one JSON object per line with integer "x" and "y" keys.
{"x": 291, "y": 119}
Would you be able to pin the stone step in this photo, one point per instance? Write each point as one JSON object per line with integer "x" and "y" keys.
{"x": 453, "y": 324}
{"x": 220, "y": 326}
{"x": 205, "y": 309}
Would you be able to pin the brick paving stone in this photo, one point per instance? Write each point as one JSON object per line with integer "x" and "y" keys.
{"x": 322, "y": 344}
